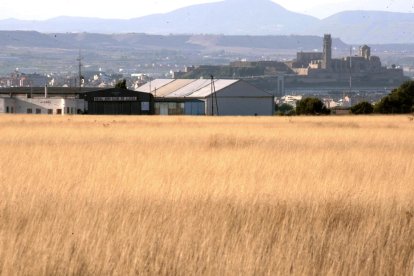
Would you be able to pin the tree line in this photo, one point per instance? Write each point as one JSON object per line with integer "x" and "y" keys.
{"x": 399, "y": 101}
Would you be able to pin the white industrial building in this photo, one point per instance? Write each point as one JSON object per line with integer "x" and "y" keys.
{"x": 41, "y": 100}
{"x": 35, "y": 105}
{"x": 207, "y": 97}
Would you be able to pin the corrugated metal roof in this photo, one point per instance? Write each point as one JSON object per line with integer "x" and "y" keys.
{"x": 172, "y": 87}
{"x": 155, "y": 84}
{"x": 206, "y": 91}
{"x": 185, "y": 88}
{"x": 189, "y": 89}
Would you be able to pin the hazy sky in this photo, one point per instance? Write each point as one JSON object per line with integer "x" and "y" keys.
{"x": 43, "y": 9}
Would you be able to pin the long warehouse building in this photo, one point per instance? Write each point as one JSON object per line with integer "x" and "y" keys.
{"x": 207, "y": 97}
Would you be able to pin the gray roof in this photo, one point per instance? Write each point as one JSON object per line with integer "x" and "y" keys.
{"x": 184, "y": 88}
{"x": 155, "y": 84}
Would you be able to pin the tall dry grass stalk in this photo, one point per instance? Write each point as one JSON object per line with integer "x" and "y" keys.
{"x": 209, "y": 196}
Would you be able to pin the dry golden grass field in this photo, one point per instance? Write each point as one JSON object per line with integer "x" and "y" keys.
{"x": 206, "y": 196}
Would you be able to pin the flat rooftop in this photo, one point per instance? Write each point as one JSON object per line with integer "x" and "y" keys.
{"x": 50, "y": 90}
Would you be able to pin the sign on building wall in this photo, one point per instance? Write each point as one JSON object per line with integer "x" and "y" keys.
{"x": 115, "y": 99}
{"x": 145, "y": 106}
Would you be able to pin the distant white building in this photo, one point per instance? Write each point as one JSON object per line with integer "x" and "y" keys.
{"x": 207, "y": 97}
{"x": 330, "y": 103}
{"x": 290, "y": 100}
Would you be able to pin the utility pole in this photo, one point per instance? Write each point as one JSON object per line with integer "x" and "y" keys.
{"x": 79, "y": 59}
{"x": 350, "y": 70}
{"x": 213, "y": 95}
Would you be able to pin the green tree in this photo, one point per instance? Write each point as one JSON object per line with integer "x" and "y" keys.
{"x": 284, "y": 109}
{"x": 121, "y": 84}
{"x": 362, "y": 108}
{"x": 311, "y": 106}
{"x": 399, "y": 101}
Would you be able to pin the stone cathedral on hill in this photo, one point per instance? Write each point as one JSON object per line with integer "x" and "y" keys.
{"x": 320, "y": 67}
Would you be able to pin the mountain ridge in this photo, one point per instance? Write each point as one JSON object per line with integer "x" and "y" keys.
{"x": 239, "y": 17}
{"x": 140, "y": 41}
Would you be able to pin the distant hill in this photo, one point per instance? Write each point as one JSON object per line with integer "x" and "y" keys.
{"x": 35, "y": 52}
{"x": 291, "y": 42}
{"x": 369, "y": 27}
{"x": 231, "y": 17}
{"x": 259, "y": 17}
{"x": 240, "y": 17}
{"x": 137, "y": 41}
{"x": 66, "y": 24}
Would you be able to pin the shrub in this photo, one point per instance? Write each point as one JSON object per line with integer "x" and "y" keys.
{"x": 400, "y": 101}
{"x": 284, "y": 109}
{"x": 121, "y": 84}
{"x": 311, "y": 106}
{"x": 362, "y": 108}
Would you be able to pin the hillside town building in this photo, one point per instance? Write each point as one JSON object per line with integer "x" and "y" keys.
{"x": 310, "y": 70}
{"x": 322, "y": 68}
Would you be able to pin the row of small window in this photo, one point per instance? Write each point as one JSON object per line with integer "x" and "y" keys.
{"x": 68, "y": 110}
{"x": 39, "y": 111}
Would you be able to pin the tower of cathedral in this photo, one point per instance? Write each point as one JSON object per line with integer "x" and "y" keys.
{"x": 327, "y": 52}
{"x": 365, "y": 52}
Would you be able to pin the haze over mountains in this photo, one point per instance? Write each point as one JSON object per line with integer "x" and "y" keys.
{"x": 241, "y": 17}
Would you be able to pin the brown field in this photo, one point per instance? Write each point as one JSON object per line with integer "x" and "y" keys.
{"x": 206, "y": 196}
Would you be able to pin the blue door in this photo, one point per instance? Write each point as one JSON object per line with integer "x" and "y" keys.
{"x": 194, "y": 108}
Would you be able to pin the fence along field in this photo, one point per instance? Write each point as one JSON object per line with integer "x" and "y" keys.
{"x": 210, "y": 196}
